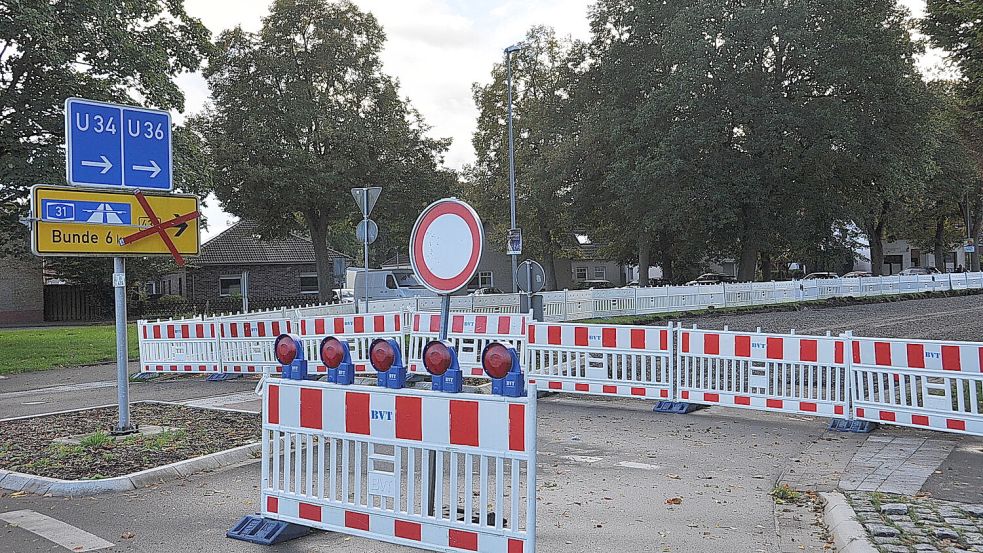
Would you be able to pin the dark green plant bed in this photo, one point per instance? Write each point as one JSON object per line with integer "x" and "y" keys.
{"x": 27, "y": 445}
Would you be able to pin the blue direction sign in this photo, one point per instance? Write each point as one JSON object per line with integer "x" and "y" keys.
{"x": 117, "y": 146}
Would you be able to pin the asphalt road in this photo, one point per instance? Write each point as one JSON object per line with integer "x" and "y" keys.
{"x": 606, "y": 466}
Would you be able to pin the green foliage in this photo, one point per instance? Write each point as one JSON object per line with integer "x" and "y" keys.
{"x": 303, "y": 113}
{"x": 95, "y": 441}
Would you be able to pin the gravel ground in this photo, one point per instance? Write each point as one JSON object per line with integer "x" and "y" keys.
{"x": 26, "y": 445}
{"x": 953, "y": 318}
{"x": 901, "y": 524}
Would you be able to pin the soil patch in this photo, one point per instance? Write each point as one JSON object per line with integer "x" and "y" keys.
{"x": 27, "y": 445}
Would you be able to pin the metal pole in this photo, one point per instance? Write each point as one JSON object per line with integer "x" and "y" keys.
{"x": 365, "y": 252}
{"x": 122, "y": 380}
{"x": 508, "y": 59}
{"x": 445, "y": 315}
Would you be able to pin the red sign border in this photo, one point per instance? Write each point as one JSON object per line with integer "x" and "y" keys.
{"x": 443, "y": 207}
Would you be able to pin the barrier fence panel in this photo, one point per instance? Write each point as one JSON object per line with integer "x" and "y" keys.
{"x": 247, "y": 346}
{"x": 360, "y": 460}
{"x": 470, "y": 333}
{"x": 919, "y": 383}
{"x": 601, "y": 359}
{"x": 179, "y": 346}
{"x": 790, "y": 373}
{"x": 358, "y": 330}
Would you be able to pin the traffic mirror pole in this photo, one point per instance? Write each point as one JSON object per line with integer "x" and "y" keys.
{"x": 122, "y": 353}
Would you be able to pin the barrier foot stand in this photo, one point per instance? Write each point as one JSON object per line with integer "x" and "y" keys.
{"x": 413, "y": 378}
{"x": 143, "y": 377}
{"x": 677, "y": 407}
{"x": 221, "y": 377}
{"x": 266, "y": 531}
{"x": 855, "y": 426}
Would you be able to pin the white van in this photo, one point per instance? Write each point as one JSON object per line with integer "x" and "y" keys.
{"x": 384, "y": 284}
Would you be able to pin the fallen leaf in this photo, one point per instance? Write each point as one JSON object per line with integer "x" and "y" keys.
{"x": 673, "y": 476}
{"x": 127, "y": 535}
{"x": 18, "y": 494}
{"x": 674, "y": 501}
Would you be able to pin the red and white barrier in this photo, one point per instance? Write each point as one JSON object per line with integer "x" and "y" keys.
{"x": 247, "y": 346}
{"x": 789, "y": 373}
{"x": 470, "y": 333}
{"x": 359, "y": 330}
{"x": 601, "y": 359}
{"x": 179, "y": 346}
{"x": 359, "y": 460}
{"x": 920, "y": 383}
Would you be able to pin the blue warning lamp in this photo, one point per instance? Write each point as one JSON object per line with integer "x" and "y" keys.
{"x": 337, "y": 357}
{"x": 289, "y": 352}
{"x": 387, "y": 360}
{"x": 440, "y": 360}
{"x": 501, "y": 363}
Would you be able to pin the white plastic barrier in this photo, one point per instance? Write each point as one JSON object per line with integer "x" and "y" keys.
{"x": 470, "y": 333}
{"x": 359, "y": 460}
{"x": 789, "y": 373}
{"x": 919, "y": 383}
{"x": 358, "y": 330}
{"x": 601, "y": 359}
{"x": 179, "y": 346}
{"x": 247, "y": 346}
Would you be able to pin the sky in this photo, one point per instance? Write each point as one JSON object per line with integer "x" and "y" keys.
{"x": 436, "y": 49}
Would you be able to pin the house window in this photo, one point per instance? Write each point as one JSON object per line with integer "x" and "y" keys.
{"x": 486, "y": 279}
{"x": 600, "y": 273}
{"x": 230, "y": 286}
{"x": 580, "y": 273}
{"x": 151, "y": 288}
{"x": 308, "y": 283}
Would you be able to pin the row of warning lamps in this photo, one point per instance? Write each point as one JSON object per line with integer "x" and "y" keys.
{"x": 499, "y": 361}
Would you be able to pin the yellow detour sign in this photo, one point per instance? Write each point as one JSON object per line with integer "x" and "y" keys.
{"x": 70, "y": 221}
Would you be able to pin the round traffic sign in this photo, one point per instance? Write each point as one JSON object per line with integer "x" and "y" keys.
{"x": 367, "y": 226}
{"x": 446, "y": 244}
{"x": 530, "y": 277}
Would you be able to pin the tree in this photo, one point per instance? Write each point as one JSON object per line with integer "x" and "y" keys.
{"x": 98, "y": 49}
{"x": 541, "y": 128}
{"x": 954, "y": 26}
{"x": 303, "y": 113}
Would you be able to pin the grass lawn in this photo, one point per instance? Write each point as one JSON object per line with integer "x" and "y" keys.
{"x": 35, "y": 349}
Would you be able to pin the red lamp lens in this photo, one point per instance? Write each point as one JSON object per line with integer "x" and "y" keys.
{"x": 437, "y": 358}
{"x": 285, "y": 350}
{"x": 332, "y": 352}
{"x": 381, "y": 355}
{"x": 497, "y": 361}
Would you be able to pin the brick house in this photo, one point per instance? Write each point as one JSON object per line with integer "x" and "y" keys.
{"x": 278, "y": 268}
{"x": 21, "y": 291}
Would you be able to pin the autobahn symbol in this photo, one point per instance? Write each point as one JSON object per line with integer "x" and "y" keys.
{"x": 112, "y": 145}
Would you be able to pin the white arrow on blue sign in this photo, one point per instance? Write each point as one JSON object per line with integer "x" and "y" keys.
{"x": 117, "y": 146}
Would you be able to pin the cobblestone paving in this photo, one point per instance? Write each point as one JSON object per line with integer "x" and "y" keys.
{"x": 903, "y": 524}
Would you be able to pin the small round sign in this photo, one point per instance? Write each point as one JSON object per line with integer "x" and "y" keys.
{"x": 446, "y": 245}
{"x": 367, "y": 226}
{"x": 530, "y": 277}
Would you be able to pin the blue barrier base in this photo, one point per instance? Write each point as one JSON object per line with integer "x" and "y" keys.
{"x": 221, "y": 377}
{"x": 855, "y": 426}
{"x": 143, "y": 377}
{"x": 266, "y": 531}
{"x": 677, "y": 407}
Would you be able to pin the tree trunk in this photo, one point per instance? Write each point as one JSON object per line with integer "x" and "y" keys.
{"x": 666, "y": 263}
{"x": 318, "y": 226}
{"x": 974, "y": 231}
{"x": 644, "y": 246}
{"x": 938, "y": 247}
{"x": 748, "y": 262}
{"x": 875, "y": 236}
{"x": 765, "y": 266}
{"x": 549, "y": 260}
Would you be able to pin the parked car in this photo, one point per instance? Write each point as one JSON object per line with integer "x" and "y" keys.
{"x": 711, "y": 278}
{"x": 652, "y": 282}
{"x": 486, "y": 291}
{"x": 919, "y": 271}
{"x": 594, "y": 285}
{"x": 858, "y": 274}
{"x": 820, "y": 276}
{"x": 384, "y": 284}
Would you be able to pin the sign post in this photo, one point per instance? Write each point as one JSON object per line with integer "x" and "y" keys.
{"x": 366, "y": 199}
{"x": 129, "y": 149}
{"x": 445, "y": 248}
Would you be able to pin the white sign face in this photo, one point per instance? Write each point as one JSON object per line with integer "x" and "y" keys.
{"x": 446, "y": 245}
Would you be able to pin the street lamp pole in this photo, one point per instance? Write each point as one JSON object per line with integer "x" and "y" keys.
{"x": 508, "y": 62}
